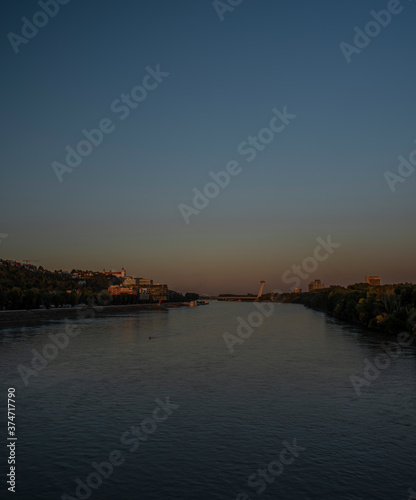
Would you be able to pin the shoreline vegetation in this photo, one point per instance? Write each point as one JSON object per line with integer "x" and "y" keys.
{"x": 387, "y": 308}
{"x": 25, "y": 288}
{"x": 30, "y": 293}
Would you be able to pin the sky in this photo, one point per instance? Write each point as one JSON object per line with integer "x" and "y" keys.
{"x": 201, "y": 78}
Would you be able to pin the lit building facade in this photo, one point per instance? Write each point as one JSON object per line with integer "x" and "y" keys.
{"x": 144, "y": 283}
{"x": 117, "y": 274}
{"x": 129, "y": 281}
{"x": 315, "y": 285}
{"x": 118, "y": 289}
{"x": 373, "y": 280}
{"x": 145, "y": 288}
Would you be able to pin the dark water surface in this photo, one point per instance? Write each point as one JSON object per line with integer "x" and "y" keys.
{"x": 290, "y": 380}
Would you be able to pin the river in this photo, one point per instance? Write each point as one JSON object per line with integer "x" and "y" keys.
{"x": 153, "y": 405}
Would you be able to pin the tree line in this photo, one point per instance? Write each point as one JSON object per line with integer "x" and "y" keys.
{"x": 389, "y": 308}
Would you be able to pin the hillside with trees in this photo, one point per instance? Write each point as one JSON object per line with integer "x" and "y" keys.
{"x": 25, "y": 286}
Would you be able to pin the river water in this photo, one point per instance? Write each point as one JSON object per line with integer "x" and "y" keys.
{"x": 181, "y": 417}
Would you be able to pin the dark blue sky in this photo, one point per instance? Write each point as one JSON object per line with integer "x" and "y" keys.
{"x": 322, "y": 175}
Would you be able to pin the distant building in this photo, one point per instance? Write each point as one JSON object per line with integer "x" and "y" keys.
{"x": 373, "y": 280}
{"x": 144, "y": 283}
{"x": 129, "y": 281}
{"x": 118, "y": 289}
{"x": 158, "y": 291}
{"x": 144, "y": 294}
{"x": 145, "y": 288}
{"x": 117, "y": 274}
{"x": 297, "y": 290}
{"x": 315, "y": 285}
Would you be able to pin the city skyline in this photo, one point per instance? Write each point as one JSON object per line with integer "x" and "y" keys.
{"x": 131, "y": 280}
{"x": 156, "y": 142}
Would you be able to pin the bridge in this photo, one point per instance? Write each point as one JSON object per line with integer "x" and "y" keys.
{"x": 242, "y": 298}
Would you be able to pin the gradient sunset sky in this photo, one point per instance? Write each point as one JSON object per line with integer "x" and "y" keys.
{"x": 322, "y": 175}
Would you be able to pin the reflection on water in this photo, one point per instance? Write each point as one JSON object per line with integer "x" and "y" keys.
{"x": 289, "y": 380}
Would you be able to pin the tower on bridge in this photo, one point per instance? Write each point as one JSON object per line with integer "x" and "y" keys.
{"x": 261, "y": 290}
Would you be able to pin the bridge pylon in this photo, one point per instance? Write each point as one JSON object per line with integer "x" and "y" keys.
{"x": 261, "y": 290}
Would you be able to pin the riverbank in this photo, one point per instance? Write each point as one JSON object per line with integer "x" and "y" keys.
{"x": 7, "y": 317}
{"x": 387, "y": 308}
